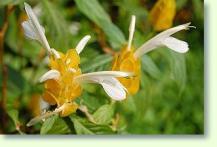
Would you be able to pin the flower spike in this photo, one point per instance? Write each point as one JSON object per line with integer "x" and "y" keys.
{"x": 62, "y": 83}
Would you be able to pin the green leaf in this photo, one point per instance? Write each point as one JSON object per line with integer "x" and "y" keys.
{"x": 95, "y": 12}
{"x": 83, "y": 126}
{"x": 16, "y": 83}
{"x": 80, "y": 128}
{"x": 180, "y": 4}
{"x": 15, "y": 40}
{"x": 93, "y": 97}
{"x": 178, "y": 68}
{"x": 13, "y": 115}
{"x": 54, "y": 125}
{"x": 99, "y": 129}
{"x": 58, "y": 29}
{"x": 48, "y": 124}
{"x": 104, "y": 114}
{"x": 97, "y": 62}
{"x": 198, "y": 9}
{"x": 11, "y": 2}
{"x": 150, "y": 67}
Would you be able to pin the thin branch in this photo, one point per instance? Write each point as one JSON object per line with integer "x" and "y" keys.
{"x": 84, "y": 109}
{"x": 3, "y": 30}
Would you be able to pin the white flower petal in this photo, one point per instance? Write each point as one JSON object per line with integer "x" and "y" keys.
{"x": 176, "y": 45}
{"x": 82, "y": 43}
{"x": 103, "y": 74}
{"x": 163, "y": 39}
{"x": 109, "y": 82}
{"x": 173, "y": 30}
{"x": 29, "y": 30}
{"x": 43, "y": 105}
{"x": 131, "y": 31}
{"x": 51, "y": 74}
{"x": 45, "y": 115}
{"x": 32, "y": 25}
{"x": 55, "y": 53}
{"x": 114, "y": 89}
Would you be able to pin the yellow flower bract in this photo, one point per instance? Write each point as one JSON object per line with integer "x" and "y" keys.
{"x": 125, "y": 61}
{"x": 162, "y": 14}
{"x": 64, "y": 90}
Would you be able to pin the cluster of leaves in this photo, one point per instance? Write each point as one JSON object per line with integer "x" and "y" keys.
{"x": 170, "y": 100}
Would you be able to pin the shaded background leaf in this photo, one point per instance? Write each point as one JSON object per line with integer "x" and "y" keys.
{"x": 55, "y": 125}
{"x": 101, "y": 18}
{"x": 104, "y": 114}
{"x": 82, "y": 126}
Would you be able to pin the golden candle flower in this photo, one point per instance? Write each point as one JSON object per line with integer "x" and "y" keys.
{"x": 63, "y": 81}
{"x": 128, "y": 59}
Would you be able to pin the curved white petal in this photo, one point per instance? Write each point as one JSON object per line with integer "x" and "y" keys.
{"x": 51, "y": 74}
{"x": 174, "y": 30}
{"x": 43, "y": 105}
{"x": 131, "y": 31}
{"x": 45, "y": 115}
{"x": 93, "y": 75}
{"x": 176, "y": 45}
{"x": 55, "y": 53}
{"x": 33, "y": 29}
{"x": 39, "y": 118}
{"x": 114, "y": 89}
{"x": 108, "y": 81}
{"x": 29, "y": 30}
{"x": 163, "y": 39}
{"x": 82, "y": 43}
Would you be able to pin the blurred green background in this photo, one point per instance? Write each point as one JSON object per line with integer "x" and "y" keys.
{"x": 171, "y": 97}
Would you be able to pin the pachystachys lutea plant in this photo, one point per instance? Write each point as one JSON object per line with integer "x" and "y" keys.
{"x": 63, "y": 81}
{"x": 128, "y": 59}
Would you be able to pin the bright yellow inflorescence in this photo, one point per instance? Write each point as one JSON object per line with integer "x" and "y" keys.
{"x": 125, "y": 61}
{"x": 162, "y": 14}
{"x": 64, "y": 90}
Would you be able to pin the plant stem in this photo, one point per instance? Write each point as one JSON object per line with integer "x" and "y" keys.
{"x": 3, "y": 30}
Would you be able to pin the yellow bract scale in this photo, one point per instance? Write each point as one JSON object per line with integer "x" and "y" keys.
{"x": 68, "y": 109}
{"x": 125, "y": 61}
{"x": 64, "y": 90}
{"x": 162, "y": 14}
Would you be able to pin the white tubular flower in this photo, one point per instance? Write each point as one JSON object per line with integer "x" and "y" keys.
{"x": 62, "y": 83}
{"x": 33, "y": 29}
{"x": 131, "y": 31}
{"x": 108, "y": 81}
{"x": 44, "y": 116}
{"x": 51, "y": 74}
{"x": 165, "y": 39}
{"x": 82, "y": 43}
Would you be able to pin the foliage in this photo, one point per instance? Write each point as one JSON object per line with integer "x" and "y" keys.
{"x": 170, "y": 99}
